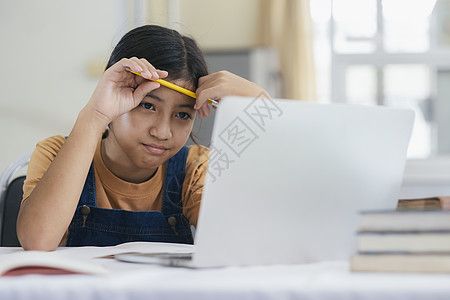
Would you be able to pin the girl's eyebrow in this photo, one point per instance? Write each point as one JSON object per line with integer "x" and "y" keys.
{"x": 190, "y": 105}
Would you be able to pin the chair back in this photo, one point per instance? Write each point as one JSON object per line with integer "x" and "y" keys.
{"x": 11, "y": 191}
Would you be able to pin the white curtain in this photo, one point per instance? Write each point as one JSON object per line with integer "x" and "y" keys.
{"x": 287, "y": 26}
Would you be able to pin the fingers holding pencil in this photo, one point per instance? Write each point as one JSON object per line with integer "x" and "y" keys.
{"x": 144, "y": 68}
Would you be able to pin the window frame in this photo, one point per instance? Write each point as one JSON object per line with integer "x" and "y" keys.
{"x": 433, "y": 171}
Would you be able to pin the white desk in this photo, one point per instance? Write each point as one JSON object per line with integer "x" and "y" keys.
{"x": 325, "y": 280}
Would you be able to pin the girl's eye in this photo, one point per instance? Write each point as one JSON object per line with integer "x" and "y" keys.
{"x": 147, "y": 105}
{"x": 184, "y": 115}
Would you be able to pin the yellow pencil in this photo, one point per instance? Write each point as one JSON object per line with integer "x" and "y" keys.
{"x": 179, "y": 89}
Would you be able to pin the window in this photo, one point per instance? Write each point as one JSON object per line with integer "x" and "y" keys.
{"x": 388, "y": 52}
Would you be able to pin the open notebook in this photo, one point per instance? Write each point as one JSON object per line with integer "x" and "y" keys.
{"x": 286, "y": 180}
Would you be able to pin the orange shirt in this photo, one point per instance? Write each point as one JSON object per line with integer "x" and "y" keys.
{"x": 113, "y": 192}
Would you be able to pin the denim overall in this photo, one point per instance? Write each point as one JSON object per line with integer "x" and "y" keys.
{"x": 94, "y": 226}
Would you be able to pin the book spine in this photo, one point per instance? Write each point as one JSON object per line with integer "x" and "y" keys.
{"x": 415, "y": 263}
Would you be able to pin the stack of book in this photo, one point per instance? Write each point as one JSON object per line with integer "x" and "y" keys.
{"x": 413, "y": 238}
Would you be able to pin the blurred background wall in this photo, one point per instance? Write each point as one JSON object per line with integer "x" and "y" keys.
{"x": 47, "y": 50}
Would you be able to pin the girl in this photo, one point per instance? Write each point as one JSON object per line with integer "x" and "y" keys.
{"x": 135, "y": 181}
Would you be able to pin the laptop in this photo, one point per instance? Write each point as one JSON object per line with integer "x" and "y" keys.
{"x": 287, "y": 179}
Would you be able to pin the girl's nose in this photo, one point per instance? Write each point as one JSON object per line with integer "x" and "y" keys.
{"x": 161, "y": 129}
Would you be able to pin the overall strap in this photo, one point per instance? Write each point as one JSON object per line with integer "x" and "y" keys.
{"x": 172, "y": 202}
{"x": 89, "y": 194}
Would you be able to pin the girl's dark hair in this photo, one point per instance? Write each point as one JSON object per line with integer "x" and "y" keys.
{"x": 165, "y": 49}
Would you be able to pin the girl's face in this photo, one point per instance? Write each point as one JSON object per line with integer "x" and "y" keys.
{"x": 145, "y": 137}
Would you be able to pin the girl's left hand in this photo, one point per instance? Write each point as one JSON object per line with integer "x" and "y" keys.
{"x": 220, "y": 84}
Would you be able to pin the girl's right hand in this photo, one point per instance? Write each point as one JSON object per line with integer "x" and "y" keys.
{"x": 119, "y": 90}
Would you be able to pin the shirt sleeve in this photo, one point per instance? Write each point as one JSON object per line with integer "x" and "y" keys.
{"x": 40, "y": 160}
{"x": 193, "y": 183}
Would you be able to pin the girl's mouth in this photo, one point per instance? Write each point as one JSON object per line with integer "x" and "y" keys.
{"x": 155, "y": 149}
